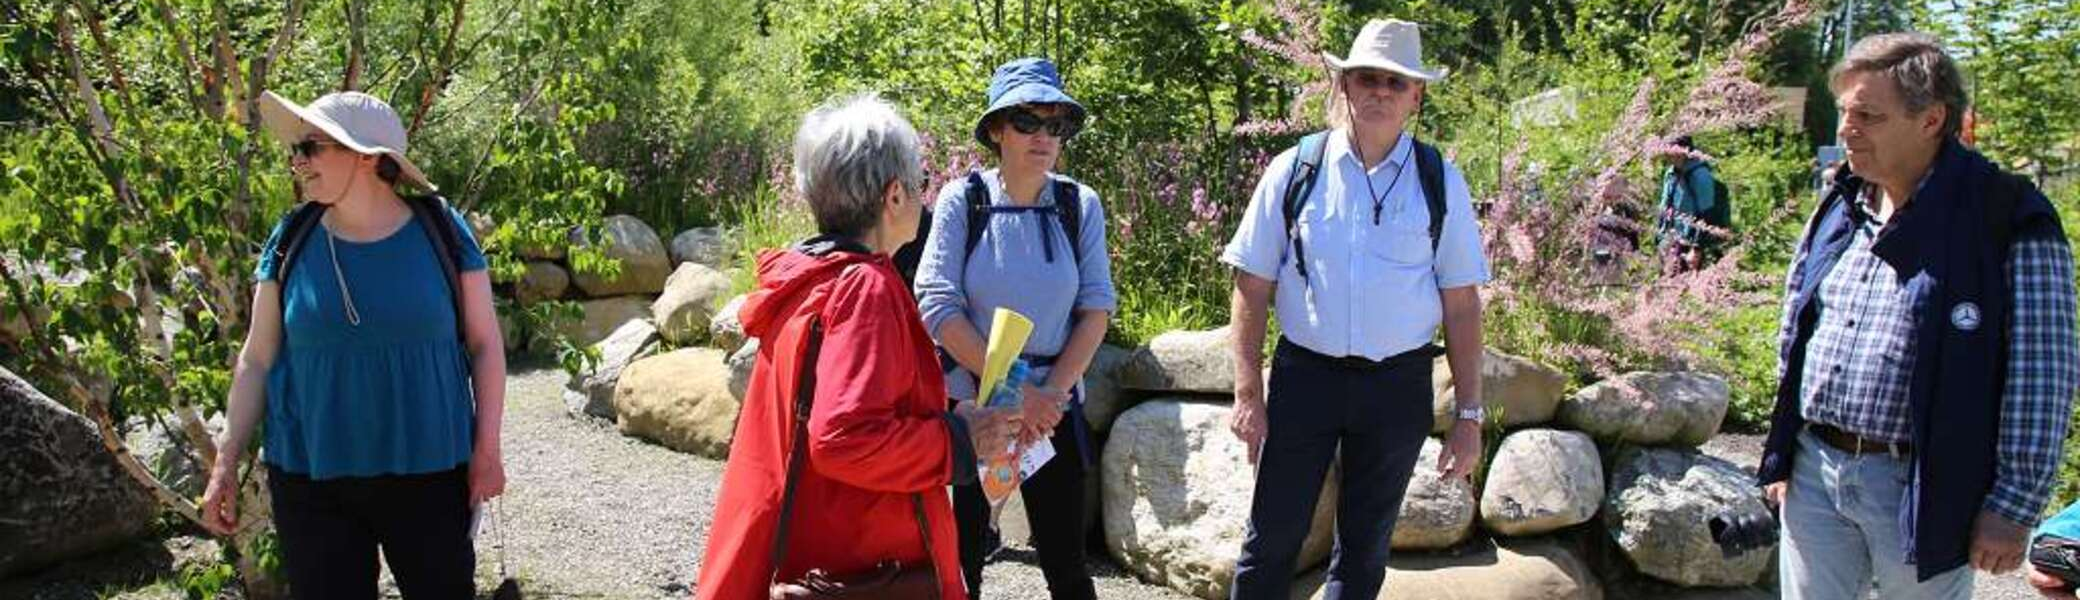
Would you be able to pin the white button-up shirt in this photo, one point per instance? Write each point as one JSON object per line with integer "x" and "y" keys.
{"x": 1371, "y": 290}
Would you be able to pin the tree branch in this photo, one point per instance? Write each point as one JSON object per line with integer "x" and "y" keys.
{"x": 186, "y": 53}
{"x": 441, "y": 69}
{"x": 357, "y": 20}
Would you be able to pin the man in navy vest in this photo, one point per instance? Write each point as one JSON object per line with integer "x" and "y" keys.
{"x": 1928, "y": 351}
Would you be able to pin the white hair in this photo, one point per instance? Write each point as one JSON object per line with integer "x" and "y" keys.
{"x": 845, "y": 153}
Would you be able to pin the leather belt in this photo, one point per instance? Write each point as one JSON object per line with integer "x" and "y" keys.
{"x": 1855, "y": 444}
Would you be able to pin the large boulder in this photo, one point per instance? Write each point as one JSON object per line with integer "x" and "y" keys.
{"x": 600, "y": 318}
{"x": 1527, "y": 569}
{"x": 1542, "y": 480}
{"x": 62, "y": 495}
{"x": 703, "y": 245}
{"x": 644, "y": 264}
{"x": 1435, "y": 513}
{"x": 1650, "y": 408}
{"x": 592, "y": 393}
{"x": 1176, "y": 494}
{"x": 1102, "y": 397}
{"x": 680, "y": 399}
{"x": 1660, "y": 505}
{"x": 1517, "y": 392}
{"x": 543, "y": 280}
{"x": 689, "y": 300}
{"x": 1182, "y": 361}
{"x": 740, "y": 364}
{"x": 726, "y": 330}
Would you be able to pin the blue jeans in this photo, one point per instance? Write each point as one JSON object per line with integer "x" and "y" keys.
{"x": 1842, "y": 534}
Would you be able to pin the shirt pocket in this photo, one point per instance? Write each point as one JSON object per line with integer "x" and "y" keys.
{"x": 1401, "y": 249}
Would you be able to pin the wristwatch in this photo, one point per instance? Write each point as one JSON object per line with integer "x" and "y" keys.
{"x": 1475, "y": 414}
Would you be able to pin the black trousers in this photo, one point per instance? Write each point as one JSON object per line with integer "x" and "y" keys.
{"x": 1379, "y": 415}
{"x": 331, "y": 530}
{"x": 1054, "y": 509}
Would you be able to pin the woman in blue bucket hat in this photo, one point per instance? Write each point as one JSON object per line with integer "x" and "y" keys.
{"x": 1021, "y": 237}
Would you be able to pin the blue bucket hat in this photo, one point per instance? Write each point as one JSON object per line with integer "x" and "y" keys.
{"x": 1024, "y": 81}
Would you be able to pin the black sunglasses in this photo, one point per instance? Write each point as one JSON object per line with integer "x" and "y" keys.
{"x": 308, "y": 148}
{"x": 1062, "y": 126}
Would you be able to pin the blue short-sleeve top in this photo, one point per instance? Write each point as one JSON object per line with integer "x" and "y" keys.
{"x": 389, "y": 396}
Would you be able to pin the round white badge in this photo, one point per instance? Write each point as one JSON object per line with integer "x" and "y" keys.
{"x": 1965, "y": 316}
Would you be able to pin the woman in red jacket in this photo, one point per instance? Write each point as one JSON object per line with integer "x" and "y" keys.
{"x": 833, "y": 316}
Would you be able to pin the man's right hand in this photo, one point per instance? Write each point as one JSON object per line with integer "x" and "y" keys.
{"x": 1248, "y": 420}
{"x": 220, "y": 501}
{"x": 1774, "y": 493}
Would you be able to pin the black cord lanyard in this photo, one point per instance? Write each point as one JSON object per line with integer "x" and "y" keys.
{"x": 1379, "y": 200}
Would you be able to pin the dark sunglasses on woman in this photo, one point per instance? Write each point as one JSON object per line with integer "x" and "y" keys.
{"x": 1060, "y": 126}
{"x": 308, "y": 148}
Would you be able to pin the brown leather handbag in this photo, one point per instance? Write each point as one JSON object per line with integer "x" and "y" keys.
{"x": 891, "y": 580}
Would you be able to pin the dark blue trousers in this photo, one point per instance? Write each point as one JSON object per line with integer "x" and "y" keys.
{"x": 1378, "y": 413}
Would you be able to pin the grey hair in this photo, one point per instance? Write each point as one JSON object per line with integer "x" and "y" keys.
{"x": 845, "y": 153}
{"x": 1916, "y": 62}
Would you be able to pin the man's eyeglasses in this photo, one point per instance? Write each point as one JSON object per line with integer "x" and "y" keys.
{"x": 308, "y": 148}
{"x": 1060, "y": 126}
{"x": 1373, "y": 80}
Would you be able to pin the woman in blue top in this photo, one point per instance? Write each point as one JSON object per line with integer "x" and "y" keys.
{"x": 1025, "y": 260}
{"x": 382, "y": 414}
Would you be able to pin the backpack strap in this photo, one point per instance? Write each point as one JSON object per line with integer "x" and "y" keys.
{"x": 976, "y": 197}
{"x": 295, "y": 231}
{"x": 1068, "y": 208}
{"x": 1430, "y": 170}
{"x": 1307, "y": 165}
{"x": 433, "y": 214}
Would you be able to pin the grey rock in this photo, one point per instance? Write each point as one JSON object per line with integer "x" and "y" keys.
{"x": 593, "y": 392}
{"x": 1103, "y": 398}
{"x": 1650, "y": 408}
{"x": 65, "y": 495}
{"x": 683, "y": 312}
{"x": 1660, "y": 502}
{"x": 1517, "y": 391}
{"x": 1542, "y": 480}
{"x": 644, "y": 264}
{"x": 726, "y": 330}
{"x": 543, "y": 281}
{"x": 708, "y": 246}
{"x": 1182, "y": 361}
{"x": 1176, "y": 495}
{"x": 1435, "y": 513}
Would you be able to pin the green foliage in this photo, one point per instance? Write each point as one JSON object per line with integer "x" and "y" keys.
{"x": 206, "y": 581}
{"x": 2019, "y": 57}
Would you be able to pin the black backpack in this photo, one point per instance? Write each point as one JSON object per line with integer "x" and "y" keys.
{"x": 1067, "y": 208}
{"x": 1300, "y": 183}
{"x": 431, "y": 211}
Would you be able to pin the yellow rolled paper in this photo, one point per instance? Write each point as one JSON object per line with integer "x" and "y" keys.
{"x": 1008, "y": 331}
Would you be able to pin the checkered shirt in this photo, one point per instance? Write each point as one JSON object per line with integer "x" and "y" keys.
{"x": 1860, "y": 360}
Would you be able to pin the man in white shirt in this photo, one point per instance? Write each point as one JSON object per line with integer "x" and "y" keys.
{"x": 1363, "y": 275}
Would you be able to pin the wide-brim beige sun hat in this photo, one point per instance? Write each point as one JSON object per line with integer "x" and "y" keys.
{"x": 1390, "y": 45}
{"x": 361, "y": 122}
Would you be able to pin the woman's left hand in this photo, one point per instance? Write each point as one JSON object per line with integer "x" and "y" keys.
{"x": 487, "y": 476}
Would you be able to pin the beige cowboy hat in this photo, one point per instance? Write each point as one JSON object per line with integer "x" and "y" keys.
{"x": 1387, "y": 44}
{"x": 361, "y": 122}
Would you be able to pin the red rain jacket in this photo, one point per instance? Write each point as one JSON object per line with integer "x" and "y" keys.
{"x": 877, "y": 434}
